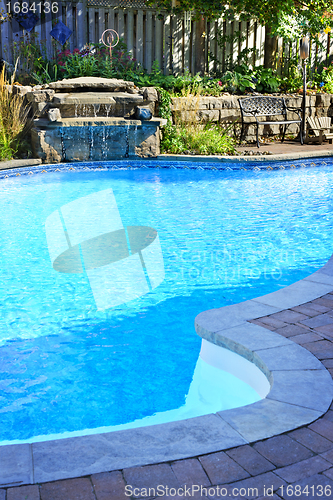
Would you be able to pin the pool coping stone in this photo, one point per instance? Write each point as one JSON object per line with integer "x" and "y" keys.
{"x": 9, "y": 164}
{"x": 284, "y": 409}
{"x": 247, "y": 158}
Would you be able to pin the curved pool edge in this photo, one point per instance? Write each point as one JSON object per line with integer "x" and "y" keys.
{"x": 10, "y": 164}
{"x": 296, "y": 374}
{"x": 248, "y": 158}
{"x": 301, "y": 387}
{"x": 80, "y": 456}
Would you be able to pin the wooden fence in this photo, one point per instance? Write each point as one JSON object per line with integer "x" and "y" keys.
{"x": 168, "y": 39}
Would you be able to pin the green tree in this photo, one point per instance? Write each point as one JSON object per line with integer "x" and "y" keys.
{"x": 290, "y": 18}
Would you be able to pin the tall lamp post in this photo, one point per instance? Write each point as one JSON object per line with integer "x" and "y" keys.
{"x": 304, "y": 53}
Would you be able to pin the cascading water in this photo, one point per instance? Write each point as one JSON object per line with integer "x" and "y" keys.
{"x": 63, "y": 148}
{"x": 96, "y": 109}
{"x": 107, "y": 109}
{"x": 95, "y": 121}
{"x": 104, "y": 144}
{"x": 91, "y": 142}
{"x": 127, "y": 141}
{"x": 135, "y": 135}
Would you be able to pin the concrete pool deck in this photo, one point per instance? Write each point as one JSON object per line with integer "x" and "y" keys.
{"x": 299, "y": 315}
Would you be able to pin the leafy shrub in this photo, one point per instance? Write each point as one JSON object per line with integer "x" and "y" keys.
{"x": 211, "y": 139}
{"x": 94, "y": 60}
{"x": 233, "y": 81}
{"x": 156, "y": 79}
{"x": 204, "y": 85}
{"x": 188, "y": 135}
{"x": 266, "y": 80}
{"x": 293, "y": 81}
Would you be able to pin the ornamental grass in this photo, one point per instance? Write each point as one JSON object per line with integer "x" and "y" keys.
{"x": 14, "y": 123}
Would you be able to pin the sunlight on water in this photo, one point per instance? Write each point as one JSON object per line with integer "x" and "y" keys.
{"x": 103, "y": 274}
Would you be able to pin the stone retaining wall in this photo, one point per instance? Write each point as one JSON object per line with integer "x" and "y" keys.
{"x": 226, "y": 110}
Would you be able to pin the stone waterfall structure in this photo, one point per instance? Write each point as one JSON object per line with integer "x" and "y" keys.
{"x": 94, "y": 119}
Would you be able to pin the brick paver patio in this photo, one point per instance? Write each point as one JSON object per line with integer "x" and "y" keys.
{"x": 264, "y": 469}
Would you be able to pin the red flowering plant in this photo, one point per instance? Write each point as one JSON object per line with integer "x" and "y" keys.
{"x": 62, "y": 56}
{"x": 94, "y": 60}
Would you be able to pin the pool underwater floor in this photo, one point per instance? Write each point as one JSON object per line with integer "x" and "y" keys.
{"x": 297, "y": 457}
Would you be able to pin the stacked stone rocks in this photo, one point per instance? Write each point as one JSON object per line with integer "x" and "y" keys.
{"x": 94, "y": 119}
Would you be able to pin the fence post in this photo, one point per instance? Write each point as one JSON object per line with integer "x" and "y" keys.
{"x": 139, "y": 37}
{"x": 321, "y": 52}
{"x": 330, "y": 45}
{"x": 244, "y": 41}
{"x": 193, "y": 40}
{"x": 178, "y": 44}
{"x": 279, "y": 54}
{"x": 159, "y": 42}
{"x": 212, "y": 47}
{"x": 37, "y": 31}
{"x": 6, "y": 53}
{"x": 149, "y": 41}
{"x": 121, "y": 24}
{"x": 293, "y": 52}
{"x": 187, "y": 44}
{"x": 167, "y": 45}
{"x": 312, "y": 54}
{"x": 69, "y": 23}
{"x": 101, "y": 23}
{"x": 91, "y": 16}
{"x": 81, "y": 23}
{"x": 250, "y": 43}
{"x": 220, "y": 32}
{"x": 228, "y": 44}
{"x": 235, "y": 41}
{"x": 199, "y": 66}
{"x": 130, "y": 31}
{"x": 260, "y": 44}
{"x": 48, "y": 37}
{"x": 286, "y": 57}
{"x": 111, "y": 19}
{"x": 15, "y": 29}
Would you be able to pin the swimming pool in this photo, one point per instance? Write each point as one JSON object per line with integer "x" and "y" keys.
{"x": 224, "y": 236}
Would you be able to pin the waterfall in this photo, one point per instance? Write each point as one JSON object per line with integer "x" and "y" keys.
{"x": 107, "y": 108}
{"x": 96, "y": 109}
{"x": 127, "y": 141}
{"x": 91, "y": 142}
{"x": 135, "y": 138}
{"x": 63, "y": 148}
{"x": 104, "y": 144}
{"x": 93, "y": 126}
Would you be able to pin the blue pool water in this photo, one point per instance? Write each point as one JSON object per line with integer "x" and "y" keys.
{"x": 68, "y": 365}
